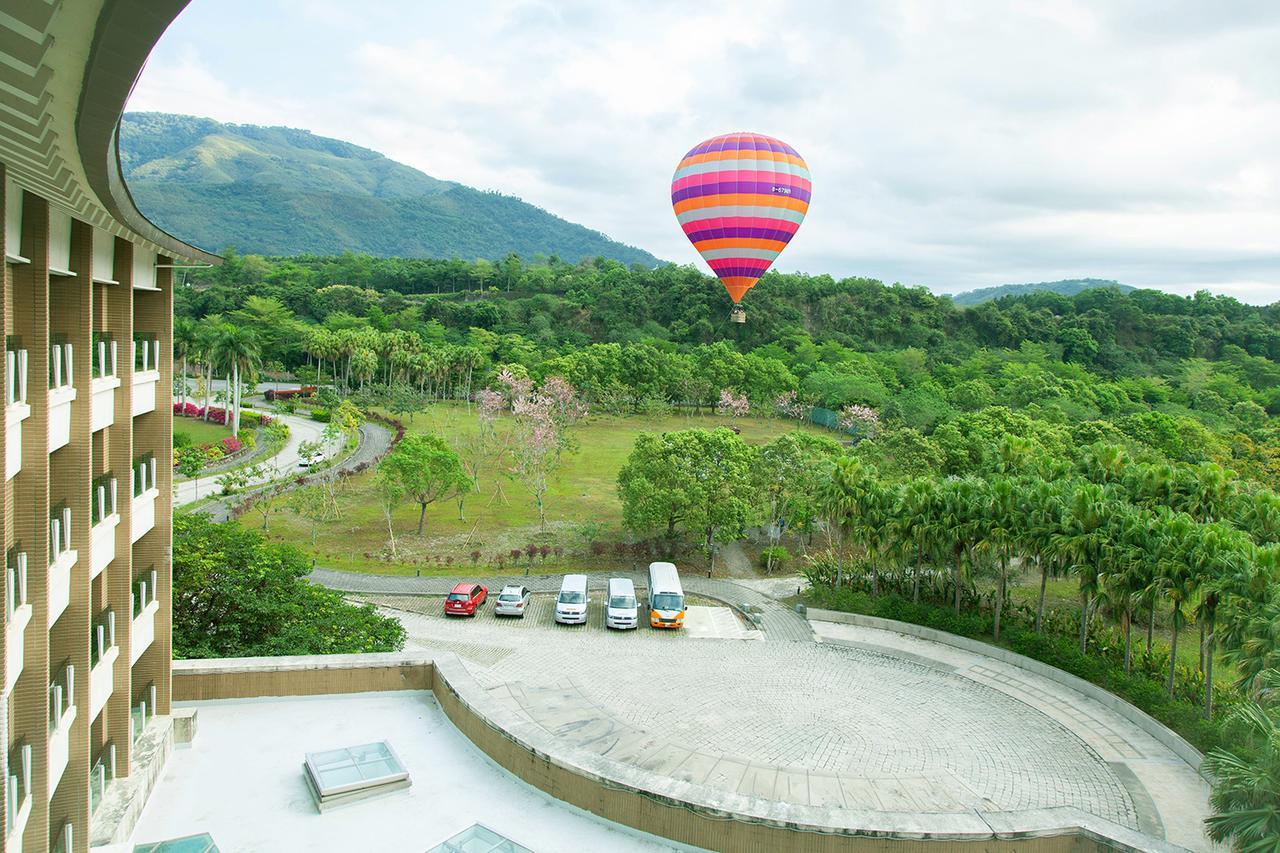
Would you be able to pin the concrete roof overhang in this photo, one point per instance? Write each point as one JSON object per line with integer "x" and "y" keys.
{"x": 66, "y": 70}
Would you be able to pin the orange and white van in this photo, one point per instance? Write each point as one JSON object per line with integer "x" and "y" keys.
{"x": 666, "y": 596}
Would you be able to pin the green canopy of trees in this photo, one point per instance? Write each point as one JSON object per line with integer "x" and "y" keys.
{"x": 237, "y": 595}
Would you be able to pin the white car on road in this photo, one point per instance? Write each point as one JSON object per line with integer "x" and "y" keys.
{"x": 512, "y": 601}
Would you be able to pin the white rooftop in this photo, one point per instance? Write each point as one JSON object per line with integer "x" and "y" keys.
{"x": 241, "y": 781}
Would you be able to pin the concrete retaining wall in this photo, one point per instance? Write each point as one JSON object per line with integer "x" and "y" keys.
{"x": 681, "y": 811}
{"x": 1162, "y": 733}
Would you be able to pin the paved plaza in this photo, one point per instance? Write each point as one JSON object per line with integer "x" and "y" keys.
{"x": 852, "y": 717}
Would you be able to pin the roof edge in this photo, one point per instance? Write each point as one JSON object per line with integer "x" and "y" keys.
{"x": 126, "y": 33}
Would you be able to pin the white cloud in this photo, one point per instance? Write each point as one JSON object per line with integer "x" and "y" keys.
{"x": 954, "y": 144}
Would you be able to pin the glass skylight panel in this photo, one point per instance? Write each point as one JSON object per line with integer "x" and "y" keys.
{"x": 479, "y": 839}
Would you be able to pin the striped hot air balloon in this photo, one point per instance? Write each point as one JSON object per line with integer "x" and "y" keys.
{"x": 740, "y": 198}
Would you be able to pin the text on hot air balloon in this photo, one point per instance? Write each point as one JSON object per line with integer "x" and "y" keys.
{"x": 782, "y": 190}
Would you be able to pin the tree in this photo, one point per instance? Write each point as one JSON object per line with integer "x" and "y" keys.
{"x": 1246, "y": 776}
{"x": 696, "y": 479}
{"x": 236, "y": 351}
{"x": 426, "y": 469}
{"x": 237, "y": 595}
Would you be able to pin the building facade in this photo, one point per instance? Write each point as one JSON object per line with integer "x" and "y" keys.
{"x": 87, "y": 438}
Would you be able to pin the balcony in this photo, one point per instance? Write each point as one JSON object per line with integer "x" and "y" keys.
{"x": 61, "y": 394}
{"x": 62, "y": 713}
{"x": 142, "y": 712}
{"x": 17, "y": 614}
{"x": 103, "y": 652}
{"x": 17, "y": 801}
{"x": 105, "y": 520}
{"x": 146, "y": 374}
{"x": 16, "y": 409}
{"x": 102, "y": 772}
{"x": 143, "y": 604}
{"x": 145, "y": 493}
{"x": 61, "y": 558}
{"x": 106, "y": 380}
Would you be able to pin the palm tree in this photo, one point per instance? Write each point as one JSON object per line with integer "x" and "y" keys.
{"x": 1174, "y": 578}
{"x": 1082, "y": 544}
{"x": 916, "y": 524}
{"x": 840, "y": 499}
{"x": 1222, "y": 570}
{"x": 184, "y": 345}
{"x": 236, "y": 350}
{"x": 1251, "y": 634}
{"x": 1001, "y": 534}
{"x": 1041, "y": 521}
{"x": 1247, "y": 777}
{"x": 206, "y": 340}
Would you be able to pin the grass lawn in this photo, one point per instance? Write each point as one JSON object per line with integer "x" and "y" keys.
{"x": 581, "y": 504}
{"x": 199, "y": 431}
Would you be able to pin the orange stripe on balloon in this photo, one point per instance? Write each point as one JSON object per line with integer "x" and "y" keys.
{"x": 739, "y": 243}
{"x": 753, "y": 199}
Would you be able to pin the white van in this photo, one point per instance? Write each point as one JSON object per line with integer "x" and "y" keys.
{"x": 621, "y": 610}
{"x": 666, "y": 596}
{"x": 571, "y": 605}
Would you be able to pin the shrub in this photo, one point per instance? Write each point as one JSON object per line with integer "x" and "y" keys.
{"x": 598, "y": 549}
{"x": 515, "y": 556}
{"x": 247, "y": 438}
{"x": 531, "y": 550}
{"x": 231, "y": 444}
{"x": 775, "y": 557}
{"x": 475, "y": 557}
{"x": 181, "y": 439}
{"x": 320, "y": 414}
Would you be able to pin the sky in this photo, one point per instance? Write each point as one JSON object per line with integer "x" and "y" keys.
{"x": 952, "y": 144}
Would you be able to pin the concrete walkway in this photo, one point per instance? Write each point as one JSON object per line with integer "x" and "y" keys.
{"x": 854, "y": 718}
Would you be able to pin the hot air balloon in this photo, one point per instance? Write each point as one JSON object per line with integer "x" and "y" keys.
{"x": 740, "y": 198}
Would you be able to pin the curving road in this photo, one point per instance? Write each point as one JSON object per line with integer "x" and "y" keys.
{"x": 283, "y": 464}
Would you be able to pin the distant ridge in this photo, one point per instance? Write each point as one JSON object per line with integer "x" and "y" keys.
{"x": 281, "y": 191}
{"x": 1065, "y": 287}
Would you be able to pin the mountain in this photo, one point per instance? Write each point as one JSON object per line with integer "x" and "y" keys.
{"x": 280, "y": 191}
{"x": 1066, "y": 287}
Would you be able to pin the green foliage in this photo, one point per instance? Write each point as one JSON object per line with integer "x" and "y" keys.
{"x": 775, "y": 557}
{"x": 424, "y": 469}
{"x": 698, "y": 480}
{"x": 236, "y": 595}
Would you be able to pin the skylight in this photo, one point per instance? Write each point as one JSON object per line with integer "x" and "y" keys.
{"x": 479, "y": 839}
{"x": 341, "y": 776}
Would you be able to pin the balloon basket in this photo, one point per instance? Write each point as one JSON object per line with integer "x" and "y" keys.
{"x": 738, "y": 314}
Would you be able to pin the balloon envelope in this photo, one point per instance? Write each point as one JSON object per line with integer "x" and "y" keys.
{"x": 740, "y": 198}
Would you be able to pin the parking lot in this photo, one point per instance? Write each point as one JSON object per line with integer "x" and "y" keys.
{"x": 704, "y": 618}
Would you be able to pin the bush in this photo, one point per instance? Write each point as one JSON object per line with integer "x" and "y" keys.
{"x": 181, "y": 439}
{"x": 247, "y": 438}
{"x": 231, "y": 444}
{"x": 320, "y": 414}
{"x": 775, "y": 557}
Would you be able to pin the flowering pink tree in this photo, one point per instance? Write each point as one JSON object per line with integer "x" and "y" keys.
{"x": 733, "y": 405}
{"x": 789, "y": 406}
{"x": 542, "y": 422}
{"x": 862, "y": 419}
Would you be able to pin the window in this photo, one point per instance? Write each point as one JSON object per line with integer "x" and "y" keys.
{"x": 102, "y": 498}
{"x": 104, "y": 355}
{"x": 142, "y": 711}
{"x": 146, "y": 351}
{"x": 103, "y": 771}
{"x": 17, "y": 590}
{"x": 62, "y": 692}
{"x": 479, "y": 838}
{"x": 15, "y": 378}
{"x": 59, "y": 532}
{"x": 19, "y": 787}
{"x": 338, "y": 775}
{"x": 59, "y": 363}
{"x": 144, "y": 474}
{"x": 102, "y": 636}
{"x": 144, "y": 591}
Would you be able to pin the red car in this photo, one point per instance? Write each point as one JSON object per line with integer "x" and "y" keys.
{"x": 465, "y": 599}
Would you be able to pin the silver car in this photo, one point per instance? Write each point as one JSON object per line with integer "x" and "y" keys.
{"x": 512, "y": 601}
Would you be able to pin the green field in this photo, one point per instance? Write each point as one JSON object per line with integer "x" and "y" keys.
{"x": 581, "y": 503}
{"x": 199, "y": 431}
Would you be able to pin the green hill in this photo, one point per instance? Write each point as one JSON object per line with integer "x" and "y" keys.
{"x": 280, "y": 191}
{"x": 1066, "y": 287}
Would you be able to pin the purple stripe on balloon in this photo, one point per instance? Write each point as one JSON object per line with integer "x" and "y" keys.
{"x": 720, "y": 144}
{"x": 750, "y": 233}
{"x": 748, "y": 187}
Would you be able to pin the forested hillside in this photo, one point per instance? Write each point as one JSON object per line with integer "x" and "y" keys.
{"x": 281, "y": 191}
{"x": 1064, "y": 287}
{"x": 1174, "y": 379}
